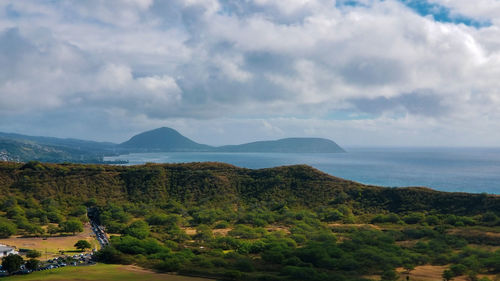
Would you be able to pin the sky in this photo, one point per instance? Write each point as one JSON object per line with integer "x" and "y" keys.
{"x": 366, "y": 72}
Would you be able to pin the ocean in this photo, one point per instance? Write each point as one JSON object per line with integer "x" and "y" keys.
{"x": 475, "y": 170}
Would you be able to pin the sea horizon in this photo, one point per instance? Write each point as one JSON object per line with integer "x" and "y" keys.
{"x": 457, "y": 169}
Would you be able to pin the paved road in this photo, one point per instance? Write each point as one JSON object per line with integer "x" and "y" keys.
{"x": 99, "y": 232}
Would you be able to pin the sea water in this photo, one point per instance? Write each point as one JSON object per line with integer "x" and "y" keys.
{"x": 475, "y": 170}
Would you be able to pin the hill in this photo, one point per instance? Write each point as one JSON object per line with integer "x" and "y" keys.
{"x": 163, "y": 140}
{"x": 287, "y": 145}
{"x": 23, "y": 150}
{"x": 169, "y": 140}
{"x": 229, "y": 223}
{"x": 76, "y": 144}
{"x": 217, "y": 183}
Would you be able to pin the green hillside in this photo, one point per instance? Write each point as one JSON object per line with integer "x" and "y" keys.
{"x": 215, "y": 183}
{"x": 25, "y": 150}
{"x": 284, "y": 223}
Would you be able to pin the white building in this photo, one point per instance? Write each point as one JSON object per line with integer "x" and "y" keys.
{"x": 6, "y": 250}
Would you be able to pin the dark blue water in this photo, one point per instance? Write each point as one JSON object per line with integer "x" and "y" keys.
{"x": 474, "y": 170}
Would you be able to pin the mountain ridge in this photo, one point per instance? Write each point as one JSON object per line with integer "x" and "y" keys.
{"x": 211, "y": 183}
{"x": 18, "y": 147}
{"x": 286, "y": 145}
{"x": 169, "y": 140}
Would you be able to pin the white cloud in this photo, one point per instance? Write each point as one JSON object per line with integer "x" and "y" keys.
{"x": 479, "y": 9}
{"x": 276, "y": 65}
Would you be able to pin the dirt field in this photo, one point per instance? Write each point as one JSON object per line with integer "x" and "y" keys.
{"x": 220, "y": 231}
{"x": 51, "y": 246}
{"x": 431, "y": 273}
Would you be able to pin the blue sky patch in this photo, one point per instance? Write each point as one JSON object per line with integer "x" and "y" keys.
{"x": 348, "y": 3}
{"x": 442, "y": 14}
{"x": 11, "y": 12}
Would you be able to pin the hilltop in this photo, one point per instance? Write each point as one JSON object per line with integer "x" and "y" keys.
{"x": 162, "y": 139}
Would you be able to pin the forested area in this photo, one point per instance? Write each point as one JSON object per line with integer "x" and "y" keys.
{"x": 285, "y": 223}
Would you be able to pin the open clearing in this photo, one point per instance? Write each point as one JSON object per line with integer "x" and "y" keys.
{"x": 101, "y": 272}
{"x": 432, "y": 273}
{"x": 51, "y": 246}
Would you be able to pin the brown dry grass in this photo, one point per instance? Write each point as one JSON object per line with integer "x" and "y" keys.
{"x": 221, "y": 231}
{"x": 432, "y": 273}
{"x": 488, "y": 232}
{"x": 278, "y": 228}
{"x": 224, "y": 231}
{"x": 189, "y": 230}
{"x": 51, "y": 246}
{"x": 354, "y": 225}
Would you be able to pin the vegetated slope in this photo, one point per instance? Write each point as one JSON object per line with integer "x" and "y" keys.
{"x": 21, "y": 150}
{"x": 284, "y": 223}
{"x": 75, "y": 144}
{"x": 162, "y": 139}
{"x": 218, "y": 184}
{"x": 288, "y": 145}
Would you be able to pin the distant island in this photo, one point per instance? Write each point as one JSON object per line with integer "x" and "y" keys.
{"x": 22, "y": 148}
{"x": 169, "y": 140}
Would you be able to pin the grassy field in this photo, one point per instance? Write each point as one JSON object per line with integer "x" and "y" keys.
{"x": 51, "y": 246}
{"x": 430, "y": 273}
{"x": 101, "y": 272}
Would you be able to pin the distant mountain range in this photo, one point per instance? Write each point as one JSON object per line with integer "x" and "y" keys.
{"x": 17, "y": 147}
{"x": 168, "y": 140}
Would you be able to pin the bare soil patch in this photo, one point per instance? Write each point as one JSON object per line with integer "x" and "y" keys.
{"x": 432, "y": 273}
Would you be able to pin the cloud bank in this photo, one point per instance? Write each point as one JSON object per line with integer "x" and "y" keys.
{"x": 364, "y": 72}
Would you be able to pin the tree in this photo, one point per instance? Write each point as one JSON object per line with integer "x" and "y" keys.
{"x": 448, "y": 275}
{"x": 32, "y": 264}
{"x": 472, "y": 276}
{"x": 408, "y": 267}
{"x": 72, "y": 226}
{"x": 34, "y": 229}
{"x": 458, "y": 269}
{"x": 52, "y": 229}
{"x": 33, "y": 254}
{"x": 7, "y": 229}
{"x": 389, "y": 275}
{"x": 12, "y": 263}
{"x": 204, "y": 233}
{"x": 138, "y": 229}
{"x": 82, "y": 245}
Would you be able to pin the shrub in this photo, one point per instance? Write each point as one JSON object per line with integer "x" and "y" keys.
{"x": 244, "y": 264}
{"x": 7, "y": 229}
{"x": 138, "y": 229}
{"x": 458, "y": 269}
